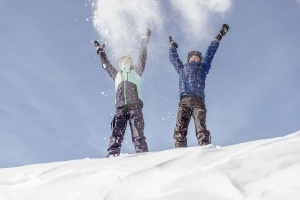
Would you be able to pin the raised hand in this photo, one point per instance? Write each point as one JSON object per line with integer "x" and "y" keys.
{"x": 148, "y": 33}
{"x": 99, "y": 48}
{"x": 172, "y": 43}
{"x": 222, "y": 32}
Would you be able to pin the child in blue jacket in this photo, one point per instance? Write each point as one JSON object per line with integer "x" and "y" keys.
{"x": 192, "y": 77}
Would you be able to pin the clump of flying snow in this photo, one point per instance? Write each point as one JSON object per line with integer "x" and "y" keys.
{"x": 197, "y": 16}
{"x": 264, "y": 170}
{"x": 122, "y": 24}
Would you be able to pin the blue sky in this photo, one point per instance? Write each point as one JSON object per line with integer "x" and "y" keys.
{"x": 57, "y": 102}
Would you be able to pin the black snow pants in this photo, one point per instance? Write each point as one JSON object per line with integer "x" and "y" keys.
{"x": 134, "y": 115}
{"x": 191, "y": 106}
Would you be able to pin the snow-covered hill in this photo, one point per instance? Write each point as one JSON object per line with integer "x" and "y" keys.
{"x": 259, "y": 170}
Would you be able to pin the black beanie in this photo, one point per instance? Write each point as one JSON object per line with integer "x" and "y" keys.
{"x": 194, "y": 53}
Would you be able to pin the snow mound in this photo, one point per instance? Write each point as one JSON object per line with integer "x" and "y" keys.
{"x": 265, "y": 169}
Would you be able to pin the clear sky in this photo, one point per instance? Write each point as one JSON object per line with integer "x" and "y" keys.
{"x": 57, "y": 102}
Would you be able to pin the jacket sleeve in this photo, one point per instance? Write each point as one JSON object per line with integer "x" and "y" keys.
{"x": 174, "y": 59}
{"x": 209, "y": 55}
{"x": 107, "y": 66}
{"x": 140, "y": 65}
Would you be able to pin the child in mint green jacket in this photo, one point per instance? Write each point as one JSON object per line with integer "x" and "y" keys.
{"x": 129, "y": 102}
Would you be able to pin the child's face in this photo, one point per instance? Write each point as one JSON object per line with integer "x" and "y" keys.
{"x": 195, "y": 59}
{"x": 126, "y": 61}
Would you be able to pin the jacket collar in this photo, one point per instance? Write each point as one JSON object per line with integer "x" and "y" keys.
{"x": 126, "y": 68}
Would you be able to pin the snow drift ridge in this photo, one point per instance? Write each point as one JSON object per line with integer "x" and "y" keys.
{"x": 264, "y": 169}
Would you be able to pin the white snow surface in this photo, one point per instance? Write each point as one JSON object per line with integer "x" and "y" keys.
{"x": 259, "y": 170}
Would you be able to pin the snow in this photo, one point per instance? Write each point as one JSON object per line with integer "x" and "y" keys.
{"x": 265, "y": 169}
{"x": 131, "y": 18}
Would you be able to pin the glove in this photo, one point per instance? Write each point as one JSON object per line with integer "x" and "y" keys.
{"x": 222, "y": 32}
{"x": 172, "y": 43}
{"x": 148, "y": 33}
{"x": 99, "y": 48}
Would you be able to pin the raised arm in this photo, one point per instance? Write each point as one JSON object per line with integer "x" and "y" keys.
{"x": 140, "y": 65}
{"x": 105, "y": 62}
{"x": 209, "y": 55}
{"x": 212, "y": 49}
{"x": 173, "y": 56}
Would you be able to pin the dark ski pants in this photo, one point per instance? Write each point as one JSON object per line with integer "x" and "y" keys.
{"x": 118, "y": 126}
{"x": 191, "y": 106}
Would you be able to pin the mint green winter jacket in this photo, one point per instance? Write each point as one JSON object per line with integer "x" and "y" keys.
{"x": 128, "y": 79}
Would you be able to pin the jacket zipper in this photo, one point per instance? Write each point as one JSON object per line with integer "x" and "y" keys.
{"x": 125, "y": 79}
{"x": 124, "y": 93}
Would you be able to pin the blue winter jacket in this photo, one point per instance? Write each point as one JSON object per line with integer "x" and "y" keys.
{"x": 192, "y": 75}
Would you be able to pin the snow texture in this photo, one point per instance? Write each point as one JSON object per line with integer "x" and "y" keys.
{"x": 121, "y": 25}
{"x": 264, "y": 169}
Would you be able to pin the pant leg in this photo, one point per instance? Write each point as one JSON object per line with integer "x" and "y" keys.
{"x": 118, "y": 127}
{"x": 202, "y": 134}
{"x": 180, "y": 132}
{"x": 136, "y": 122}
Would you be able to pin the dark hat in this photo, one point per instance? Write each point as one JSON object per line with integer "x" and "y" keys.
{"x": 194, "y": 53}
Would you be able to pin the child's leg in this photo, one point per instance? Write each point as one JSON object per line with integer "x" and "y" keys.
{"x": 118, "y": 126}
{"x": 137, "y": 125}
{"x": 202, "y": 134}
{"x": 181, "y": 128}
